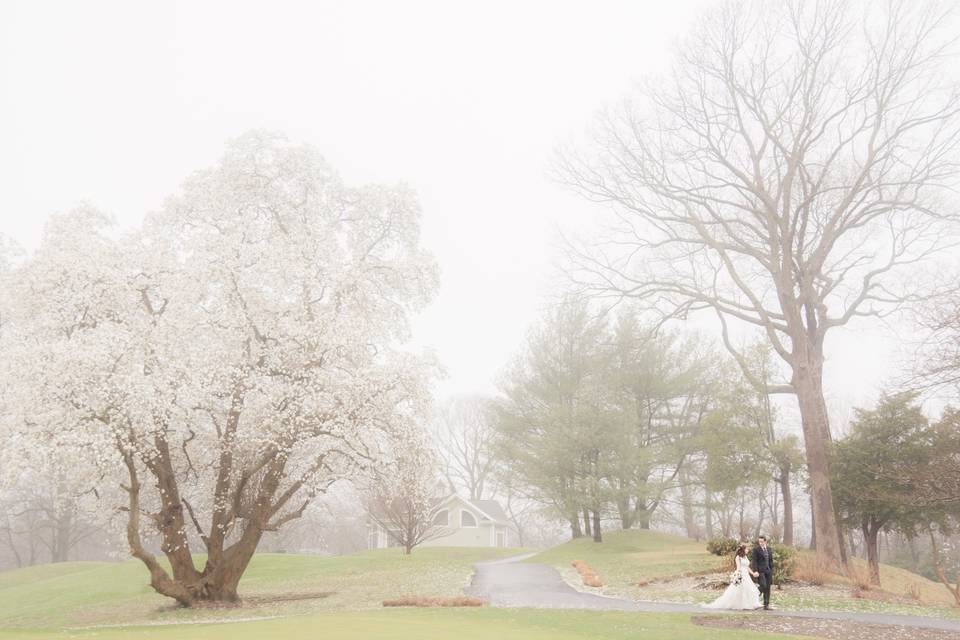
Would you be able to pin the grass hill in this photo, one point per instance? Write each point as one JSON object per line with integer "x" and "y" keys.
{"x": 293, "y": 596}
{"x": 628, "y": 557}
{"x": 649, "y": 565}
{"x": 299, "y": 597}
{"x": 91, "y": 593}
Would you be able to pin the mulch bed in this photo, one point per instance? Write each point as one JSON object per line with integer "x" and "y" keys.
{"x": 830, "y": 629}
{"x": 425, "y": 601}
{"x": 257, "y": 600}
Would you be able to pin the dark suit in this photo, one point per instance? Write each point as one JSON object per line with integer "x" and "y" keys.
{"x": 763, "y": 561}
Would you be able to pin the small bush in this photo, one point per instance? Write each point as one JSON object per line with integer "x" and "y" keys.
{"x": 914, "y": 591}
{"x": 425, "y": 601}
{"x": 860, "y": 578}
{"x": 784, "y": 562}
{"x": 811, "y": 570}
{"x": 722, "y": 546}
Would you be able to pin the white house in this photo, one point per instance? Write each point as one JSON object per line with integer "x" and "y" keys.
{"x": 465, "y": 523}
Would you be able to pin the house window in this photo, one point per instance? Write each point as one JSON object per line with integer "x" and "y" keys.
{"x": 442, "y": 518}
{"x": 467, "y": 519}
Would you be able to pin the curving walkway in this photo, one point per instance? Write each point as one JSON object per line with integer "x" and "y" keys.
{"x": 513, "y": 583}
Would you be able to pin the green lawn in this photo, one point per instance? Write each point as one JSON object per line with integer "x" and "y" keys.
{"x": 92, "y": 593}
{"x": 340, "y": 597}
{"x": 627, "y": 557}
{"x": 425, "y": 624}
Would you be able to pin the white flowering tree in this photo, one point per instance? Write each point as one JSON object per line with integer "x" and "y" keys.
{"x": 230, "y": 360}
{"x": 405, "y": 494}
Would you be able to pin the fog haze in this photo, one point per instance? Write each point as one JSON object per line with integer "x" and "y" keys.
{"x": 115, "y": 103}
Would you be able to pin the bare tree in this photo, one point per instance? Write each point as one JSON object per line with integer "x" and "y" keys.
{"x": 782, "y": 177}
{"x": 939, "y": 353}
{"x": 465, "y": 438}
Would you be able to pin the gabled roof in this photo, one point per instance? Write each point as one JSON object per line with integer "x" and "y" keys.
{"x": 489, "y": 508}
{"x": 492, "y": 508}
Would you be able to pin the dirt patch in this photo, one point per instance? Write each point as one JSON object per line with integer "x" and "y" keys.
{"x": 285, "y": 597}
{"x": 829, "y": 629}
{"x": 259, "y": 600}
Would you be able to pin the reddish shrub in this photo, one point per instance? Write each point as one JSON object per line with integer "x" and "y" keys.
{"x": 586, "y": 574}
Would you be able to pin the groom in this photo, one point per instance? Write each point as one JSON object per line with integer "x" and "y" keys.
{"x": 763, "y": 561}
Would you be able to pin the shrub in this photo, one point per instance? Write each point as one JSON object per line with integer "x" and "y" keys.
{"x": 860, "y": 578}
{"x": 722, "y": 546}
{"x": 784, "y": 562}
{"x": 811, "y": 570}
{"x": 586, "y": 574}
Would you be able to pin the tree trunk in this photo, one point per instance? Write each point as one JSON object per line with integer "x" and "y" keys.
{"x": 763, "y": 513}
{"x": 870, "y": 533}
{"x": 707, "y": 513}
{"x": 813, "y": 527}
{"x": 13, "y": 547}
{"x": 220, "y": 584}
{"x": 689, "y": 521}
{"x": 60, "y": 547}
{"x": 741, "y": 529}
{"x": 914, "y": 552}
{"x": 575, "y": 530}
{"x": 852, "y": 544}
{"x": 625, "y": 513}
{"x": 787, "y": 505}
{"x": 587, "y": 529}
{"x": 843, "y": 544}
{"x": 941, "y": 572}
{"x": 597, "y": 535}
{"x": 808, "y": 383}
{"x": 643, "y": 515}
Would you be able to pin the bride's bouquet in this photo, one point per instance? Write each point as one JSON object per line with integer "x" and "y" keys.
{"x": 736, "y": 577}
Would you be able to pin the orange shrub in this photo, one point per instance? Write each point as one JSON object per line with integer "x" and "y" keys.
{"x": 586, "y": 574}
{"x": 811, "y": 570}
{"x": 860, "y": 578}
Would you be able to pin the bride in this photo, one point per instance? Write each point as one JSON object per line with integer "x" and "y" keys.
{"x": 742, "y": 593}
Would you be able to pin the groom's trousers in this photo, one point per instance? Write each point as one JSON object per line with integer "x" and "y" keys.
{"x": 764, "y": 580}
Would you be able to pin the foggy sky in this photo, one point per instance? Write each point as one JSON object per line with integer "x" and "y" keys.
{"x": 116, "y": 102}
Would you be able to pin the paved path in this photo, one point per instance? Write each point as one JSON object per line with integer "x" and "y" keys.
{"x": 513, "y": 583}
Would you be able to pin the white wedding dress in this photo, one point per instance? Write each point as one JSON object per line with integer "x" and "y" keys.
{"x": 745, "y": 595}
